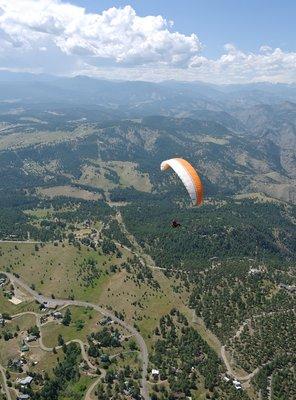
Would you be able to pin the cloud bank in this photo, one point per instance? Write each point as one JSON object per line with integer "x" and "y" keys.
{"x": 56, "y": 37}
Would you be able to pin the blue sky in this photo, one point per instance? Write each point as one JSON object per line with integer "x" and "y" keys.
{"x": 219, "y": 41}
{"x": 246, "y": 23}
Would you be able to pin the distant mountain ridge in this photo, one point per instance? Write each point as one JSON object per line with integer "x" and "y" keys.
{"x": 243, "y": 137}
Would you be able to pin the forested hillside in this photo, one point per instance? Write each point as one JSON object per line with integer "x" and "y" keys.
{"x": 82, "y": 195}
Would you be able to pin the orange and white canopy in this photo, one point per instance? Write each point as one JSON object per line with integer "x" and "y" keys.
{"x": 188, "y": 176}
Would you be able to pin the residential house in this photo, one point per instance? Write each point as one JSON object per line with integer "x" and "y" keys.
{"x": 237, "y": 384}
{"x": 31, "y": 338}
{"x": 26, "y": 381}
{"x": 24, "y": 348}
{"x": 155, "y": 374}
{"x": 57, "y": 315}
{"x": 23, "y": 396}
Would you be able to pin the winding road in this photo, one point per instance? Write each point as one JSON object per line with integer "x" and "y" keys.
{"x": 65, "y": 302}
{"x": 247, "y": 377}
{"x": 231, "y": 372}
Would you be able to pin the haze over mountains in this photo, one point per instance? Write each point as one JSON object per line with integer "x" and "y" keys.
{"x": 33, "y": 88}
{"x": 242, "y": 137}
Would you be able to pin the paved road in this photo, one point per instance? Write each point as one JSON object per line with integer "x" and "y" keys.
{"x": 64, "y": 302}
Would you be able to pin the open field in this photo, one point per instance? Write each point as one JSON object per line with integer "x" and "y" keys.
{"x": 208, "y": 336}
{"x": 87, "y": 317}
{"x": 68, "y": 191}
{"x": 77, "y": 390}
{"x": 55, "y": 270}
{"x": 56, "y": 273}
{"x": 126, "y": 175}
{"x": 11, "y": 348}
{"x": 10, "y": 308}
{"x": 20, "y": 139}
{"x": 142, "y": 304}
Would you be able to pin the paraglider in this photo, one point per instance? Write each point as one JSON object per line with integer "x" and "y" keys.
{"x": 190, "y": 179}
{"x": 175, "y": 224}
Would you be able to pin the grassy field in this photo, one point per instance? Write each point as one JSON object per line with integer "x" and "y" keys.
{"x": 142, "y": 304}
{"x": 11, "y": 348}
{"x": 128, "y": 175}
{"x": 208, "y": 336}
{"x": 7, "y": 306}
{"x": 68, "y": 191}
{"x": 52, "y": 330}
{"x": 24, "y": 139}
{"x": 55, "y": 270}
{"x": 77, "y": 390}
{"x": 46, "y": 361}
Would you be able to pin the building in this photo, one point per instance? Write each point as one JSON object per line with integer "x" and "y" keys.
{"x": 104, "y": 358}
{"x": 23, "y": 396}
{"x": 155, "y": 374}
{"x": 31, "y": 338}
{"x": 2, "y": 281}
{"x": 57, "y": 315}
{"x": 237, "y": 384}
{"x": 254, "y": 271}
{"x": 16, "y": 363}
{"x": 49, "y": 305}
{"x": 24, "y": 348}
{"x": 226, "y": 379}
{"x": 289, "y": 288}
{"x": 26, "y": 381}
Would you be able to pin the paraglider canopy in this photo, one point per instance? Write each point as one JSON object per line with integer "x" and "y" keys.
{"x": 188, "y": 176}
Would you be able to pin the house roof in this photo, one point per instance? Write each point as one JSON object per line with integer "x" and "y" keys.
{"x": 26, "y": 381}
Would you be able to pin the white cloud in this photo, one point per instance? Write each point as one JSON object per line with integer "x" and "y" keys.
{"x": 117, "y": 35}
{"x": 235, "y": 65}
{"x": 58, "y": 37}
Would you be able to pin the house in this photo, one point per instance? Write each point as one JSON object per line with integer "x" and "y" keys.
{"x": 237, "y": 384}
{"x": 24, "y": 348}
{"x": 26, "y": 381}
{"x": 155, "y": 374}
{"x": 2, "y": 321}
{"x": 254, "y": 271}
{"x": 87, "y": 223}
{"x": 289, "y": 288}
{"x": 57, "y": 315}
{"x": 226, "y": 379}
{"x": 23, "y": 396}
{"x": 31, "y": 338}
{"x": 49, "y": 305}
{"x": 16, "y": 363}
{"x": 2, "y": 281}
{"x": 104, "y": 358}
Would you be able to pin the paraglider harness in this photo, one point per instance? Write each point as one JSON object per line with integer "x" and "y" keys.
{"x": 175, "y": 224}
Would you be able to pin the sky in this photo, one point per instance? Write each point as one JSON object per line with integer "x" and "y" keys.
{"x": 219, "y": 41}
